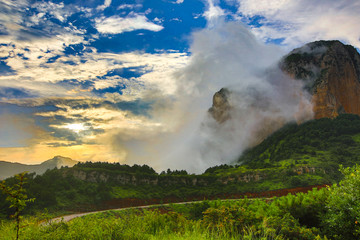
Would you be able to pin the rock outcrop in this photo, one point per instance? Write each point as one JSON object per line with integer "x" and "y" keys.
{"x": 137, "y": 179}
{"x": 331, "y": 72}
{"x": 220, "y": 109}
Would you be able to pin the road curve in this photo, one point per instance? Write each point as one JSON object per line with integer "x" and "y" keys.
{"x": 264, "y": 195}
{"x": 67, "y": 218}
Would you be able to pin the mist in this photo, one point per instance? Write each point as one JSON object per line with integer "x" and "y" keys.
{"x": 261, "y": 100}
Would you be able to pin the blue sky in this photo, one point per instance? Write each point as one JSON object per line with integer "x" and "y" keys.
{"x": 77, "y": 76}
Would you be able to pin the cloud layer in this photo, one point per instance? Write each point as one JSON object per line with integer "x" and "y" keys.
{"x": 263, "y": 99}
{"x": 115, "y": 25}
{"x": 298, "y": 22}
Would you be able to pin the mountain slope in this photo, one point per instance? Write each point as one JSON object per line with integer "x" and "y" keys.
{"x": 8, "y": 169}
{"x": 323, "y": 143}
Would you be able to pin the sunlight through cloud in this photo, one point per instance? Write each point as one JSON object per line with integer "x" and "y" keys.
{"x": 76, "y": 127}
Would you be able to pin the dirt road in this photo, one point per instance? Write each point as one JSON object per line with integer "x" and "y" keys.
{"x": 67, "y": 218}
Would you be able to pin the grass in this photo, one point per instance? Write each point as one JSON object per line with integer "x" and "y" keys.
{"x": 240, "y": 219}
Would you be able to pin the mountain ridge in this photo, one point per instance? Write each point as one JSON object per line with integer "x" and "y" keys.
{"x": 8, "y": 169}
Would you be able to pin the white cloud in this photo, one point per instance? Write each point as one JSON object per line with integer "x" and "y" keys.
{"x": 301, "y": 21}
{"x": 158, "y": 20}
{"x": 130, "y": 6}
{"x": 251, "y": 7}
{"x": 116, "y": 25}
{"x": 11, "y": 14}
{"x": 40, "y": 76}
{"x": 47, "y": 42}
{"x": 106, "y": 4}
{"x": 213, "y": 11}
{"x": 59, "y": 11}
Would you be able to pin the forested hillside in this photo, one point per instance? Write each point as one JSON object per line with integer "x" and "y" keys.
{"x": 324, "y": 143}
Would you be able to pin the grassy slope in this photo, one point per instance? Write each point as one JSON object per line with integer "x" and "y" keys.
{"x": 243, "y": 219}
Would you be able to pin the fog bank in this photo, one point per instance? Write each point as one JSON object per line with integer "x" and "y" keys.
{"x": 261, "y": 99}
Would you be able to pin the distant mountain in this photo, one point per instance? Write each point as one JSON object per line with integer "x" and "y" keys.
{"x": 8, "y": 169}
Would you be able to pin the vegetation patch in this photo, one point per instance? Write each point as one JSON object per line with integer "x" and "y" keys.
{"x": 328, "y": 213}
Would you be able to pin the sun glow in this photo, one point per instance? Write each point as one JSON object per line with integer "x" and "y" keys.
{"x": 76, "y": 127}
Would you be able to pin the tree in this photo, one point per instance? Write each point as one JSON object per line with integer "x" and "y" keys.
{"x": 16, "y": 196}
{"x": 342, "y": 220}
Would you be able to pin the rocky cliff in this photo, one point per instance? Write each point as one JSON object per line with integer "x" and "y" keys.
{"x": 331, "y": 73}
{"x": 220, "y": 109}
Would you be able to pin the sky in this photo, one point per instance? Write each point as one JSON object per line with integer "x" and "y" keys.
{"x": 131, "y": 81}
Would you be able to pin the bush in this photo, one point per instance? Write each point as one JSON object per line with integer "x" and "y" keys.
{"x": 229, "y": 220}
{"x": 307, "y": 208}
{"x": 197, "y": 209}
{"x": 342, "y": 220}
{"x": 288, "y": 227}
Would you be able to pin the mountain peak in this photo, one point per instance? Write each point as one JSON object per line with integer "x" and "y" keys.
{"x": 8, "y": 169}
{"x": 330, "y": 71}
{"x": 60, "y": 161}
{"x": 221, "y": 106}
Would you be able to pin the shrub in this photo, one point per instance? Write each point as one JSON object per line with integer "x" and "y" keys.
{"x": 342, "y": 220}
{"x": 228, "y": 220}
{"x": 197, "y": 209}
{"x": 307, "y": 208}
{"x": 288, "y": 227}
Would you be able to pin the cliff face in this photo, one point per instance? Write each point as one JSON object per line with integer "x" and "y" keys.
{"x": 159, "y": 180}
{"x": 135, "y": 180}
{"x": 224, "y": 109}
{"x": 331, "y": 72}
